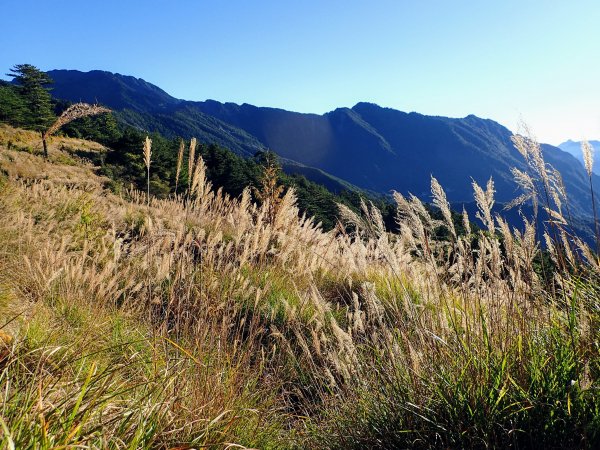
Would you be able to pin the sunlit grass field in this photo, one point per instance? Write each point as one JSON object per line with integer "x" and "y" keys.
{"x": 204, "y": 321}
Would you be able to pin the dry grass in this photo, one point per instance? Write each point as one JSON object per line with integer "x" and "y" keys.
{"x": 74, "y": 112}
{"x": 20, "y": 151}
{"x": 31, "y": 141}
{"x": 247, "y": 324}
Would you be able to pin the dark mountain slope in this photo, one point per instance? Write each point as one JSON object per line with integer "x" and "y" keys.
{"x": 116, "y": 90}
{"x": 189, "y": 122}
{"x": 145, "y": 106}
{"x": 382, "y": 149}
{"x": 375, "y": 148}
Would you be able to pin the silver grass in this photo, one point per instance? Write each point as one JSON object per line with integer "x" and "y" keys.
{"x": 550, "y": 246}
{"x": 73, "y": 112}
{"x": 147, "y": 152}
{"x": 485, "y": 202}
{"x": 520, "y": 144}
{"x": 191, "y": 162}
{"x": 199, "y": 185}
{"x": 179, "y": 163}
{"x": 466, "y": 222}
{"x": 439, "y": 200}
{"x": 588, "y": 156}
{"x": 588, "y": 254}
{"x": 567, "y": 247}
{"x": 527, "y": 185}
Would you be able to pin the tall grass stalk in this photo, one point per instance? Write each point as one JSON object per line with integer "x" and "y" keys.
{"x": 588, "y": 158}
{"x": 179, "y": 164}
{"x": 191, "y": 162}
{"x": 147, "y": 152}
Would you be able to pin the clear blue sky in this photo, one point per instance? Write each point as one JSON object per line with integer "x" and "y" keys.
{"x": 504, "y": 60}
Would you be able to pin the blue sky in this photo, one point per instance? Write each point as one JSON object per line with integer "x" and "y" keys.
{"x": 504, "y": 60}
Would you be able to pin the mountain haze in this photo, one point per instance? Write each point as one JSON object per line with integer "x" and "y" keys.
{"x": 574, "y": 148}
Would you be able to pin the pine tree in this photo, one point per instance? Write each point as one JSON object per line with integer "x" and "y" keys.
{"x": 32, "y": 84}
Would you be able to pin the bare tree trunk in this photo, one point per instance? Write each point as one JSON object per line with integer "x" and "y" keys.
{"x": 45, "y": 144}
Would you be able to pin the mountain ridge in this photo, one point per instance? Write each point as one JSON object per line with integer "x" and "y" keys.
{"x": 375, "y": 148}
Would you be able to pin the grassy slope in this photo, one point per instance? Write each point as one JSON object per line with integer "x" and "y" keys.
{"x": 205, "y": 322}
{"x": 84, "y": 371}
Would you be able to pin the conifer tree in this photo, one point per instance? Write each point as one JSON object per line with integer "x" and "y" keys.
{"x": 32, "y": 84}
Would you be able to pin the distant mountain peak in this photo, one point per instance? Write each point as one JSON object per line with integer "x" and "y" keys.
{"x": 367, "y": 105}
{"x": 112, "y": 89}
